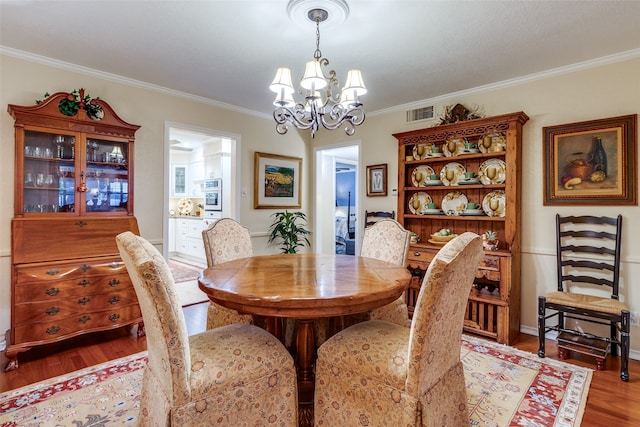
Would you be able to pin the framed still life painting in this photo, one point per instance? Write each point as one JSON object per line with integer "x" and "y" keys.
{"x": 591, "y": 163}
{"x": 277, "y": 181}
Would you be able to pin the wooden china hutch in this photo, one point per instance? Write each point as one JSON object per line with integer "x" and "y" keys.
{"x": 470, "y": 181}
{"x": 73, "y": 195}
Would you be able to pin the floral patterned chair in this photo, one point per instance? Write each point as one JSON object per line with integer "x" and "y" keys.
{"x": 236, "y": 375}
{"x": 381, "y": 374}
{"x": 226, "y": 240}
{"x": 386, "y": 240}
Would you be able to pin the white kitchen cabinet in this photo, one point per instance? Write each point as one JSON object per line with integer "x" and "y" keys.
{"x": 196, "y": 179}
{"x": 213, "y": 166}
{"x": 179, "y": 179}
{"x": 189, "y": 238}
{"x": 172, "y": 235}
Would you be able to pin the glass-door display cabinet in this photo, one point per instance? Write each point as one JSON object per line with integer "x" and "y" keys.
{"x": 73, "y": 194}
{"x": 75, "y": 173}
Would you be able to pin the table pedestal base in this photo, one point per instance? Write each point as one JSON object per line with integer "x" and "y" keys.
{"x": 305, "y": 347}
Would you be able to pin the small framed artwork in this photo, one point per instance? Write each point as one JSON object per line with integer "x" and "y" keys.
{"x": 377, "y": 180}
{"x": 591, "y": 163}
{"x": 277, "y": 181}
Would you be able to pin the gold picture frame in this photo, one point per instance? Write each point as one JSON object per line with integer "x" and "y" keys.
{"x": 591, "y": 162}
{"x": 277, "y": 181}
{"x": 377, "y": 180}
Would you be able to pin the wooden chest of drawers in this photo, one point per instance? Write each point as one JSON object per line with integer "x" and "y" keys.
{"x": 68, "y": 280}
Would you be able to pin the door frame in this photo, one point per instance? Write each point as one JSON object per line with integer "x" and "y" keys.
{"x": 324, "y": 224}
{"x": 236, "y": 161}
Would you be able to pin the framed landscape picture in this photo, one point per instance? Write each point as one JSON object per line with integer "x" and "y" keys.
{"x": 377, "y": 180}
{"x": 591, "y": 163}
{"x": 277, "y": 181}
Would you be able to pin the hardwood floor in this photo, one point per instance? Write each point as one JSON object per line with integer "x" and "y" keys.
{"x": 611, "y": 402}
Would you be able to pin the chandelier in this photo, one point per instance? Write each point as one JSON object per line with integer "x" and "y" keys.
{"x": 323, "y": 105}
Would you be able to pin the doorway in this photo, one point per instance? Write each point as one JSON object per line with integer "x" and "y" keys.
{"x": 337, "y": 200}
{"x": 194, "y": 158}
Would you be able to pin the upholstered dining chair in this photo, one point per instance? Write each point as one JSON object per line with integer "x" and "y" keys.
{"x": 236, "y": 375}
{"x": 383, "y": 374}
{"x": 385, "y": 240}
{"x": 226, "y": 240}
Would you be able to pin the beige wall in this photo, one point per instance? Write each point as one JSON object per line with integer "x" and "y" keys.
{"x": 599, "y": 92}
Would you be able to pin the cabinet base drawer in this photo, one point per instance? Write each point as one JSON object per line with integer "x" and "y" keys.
{"x": 40, "y": 333}
{"x": 62, "y": 308}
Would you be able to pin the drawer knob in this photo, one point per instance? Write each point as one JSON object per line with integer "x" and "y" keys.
{"x": 52, "y": 311}
{"x": 114, "y": 282}
{"x": 416, "y": 254}
{"x": 114, "y": 317}
{"x": 114, "y": 265}
{"x": 52, "y": 272}
{"x": 84, "y": 300}
{"x": 81, "y": 223}
{"x": 114, "y": 300}
{"x": 85, "y": 319}
{"x": 53, "y": 330}
{"x": 52, "y": 291}
{"x": 84, "y": 282}
{"x": 85, "y": 267}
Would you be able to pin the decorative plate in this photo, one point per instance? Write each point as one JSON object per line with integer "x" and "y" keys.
{"x": 448, "y": 145}
{"x": 424, "y": 148}
{"x": 492, "y": 171}
{"x": 455, "y": 171}
{"x": 454, "y": 203}
{"x": 493, "y": 203}
{"x": 418, "y": 203}
{"x": 494, "y": 142}
{"x": 420, "y": 175}
{"x": 185, "y": 206}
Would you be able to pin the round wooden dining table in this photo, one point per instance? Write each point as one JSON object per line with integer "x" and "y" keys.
{"x": 304, "y": 287}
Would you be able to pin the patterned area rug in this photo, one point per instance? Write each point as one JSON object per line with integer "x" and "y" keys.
{"x": 182, "y": 272}
{"x": 509, "y": 387}
{"x": 185, "y": 275}
{"x": 506, "y": 387}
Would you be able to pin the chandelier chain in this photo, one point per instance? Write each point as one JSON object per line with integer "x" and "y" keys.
{"x": 317, "y": 54}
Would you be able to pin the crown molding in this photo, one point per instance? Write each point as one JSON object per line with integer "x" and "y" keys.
{"x": 67, "y": 66}
{"x": 585, "y": 65}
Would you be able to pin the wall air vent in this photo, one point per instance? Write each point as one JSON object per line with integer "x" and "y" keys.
{"x": 420, "y": 114}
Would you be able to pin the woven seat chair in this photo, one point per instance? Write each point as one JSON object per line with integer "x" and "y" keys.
{"x": 226, "y": 240}
{"x": 235, "y": 375}
{"x": 378, "y": 373}
{"x": 588, "y": 267}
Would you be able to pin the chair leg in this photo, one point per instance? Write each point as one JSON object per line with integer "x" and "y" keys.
{"x": 625, "y": 345}
{"x": 614, "y": 338}
{"x": 541, "y": 325}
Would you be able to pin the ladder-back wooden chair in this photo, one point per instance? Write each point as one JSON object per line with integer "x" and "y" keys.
{"x": 588, "y": 263}
{"x": 371, "y": 218}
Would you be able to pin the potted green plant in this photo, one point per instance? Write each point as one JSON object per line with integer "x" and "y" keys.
{"x": 286, "y": 229}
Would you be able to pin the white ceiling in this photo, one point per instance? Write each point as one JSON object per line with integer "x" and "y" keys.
{"x": 227, "y": 51}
